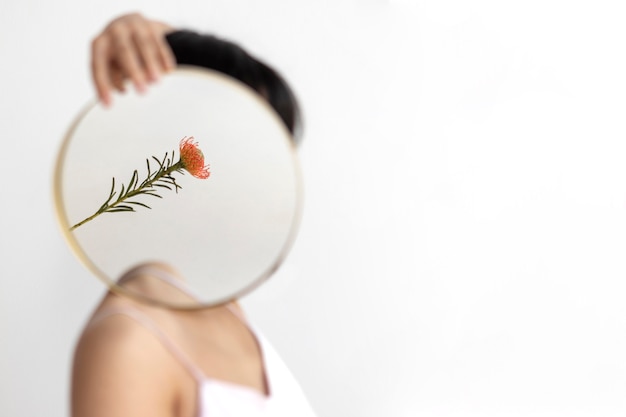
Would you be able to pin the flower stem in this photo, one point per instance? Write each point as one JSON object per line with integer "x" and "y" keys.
{"x": 93, "y": 216}
{"x": 148, "y": 183}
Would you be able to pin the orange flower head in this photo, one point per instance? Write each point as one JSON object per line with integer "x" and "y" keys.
{"x": 192, "y": 158}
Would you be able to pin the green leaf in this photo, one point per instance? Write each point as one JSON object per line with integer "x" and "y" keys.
{"x": 168, "y": 180}
{"x": 158, "y": 162}
{"x": 112, "y": 192}
{"x": 139, "y": 204}
{"x": 133, "y": 180}
{"x": 163, "y": 186}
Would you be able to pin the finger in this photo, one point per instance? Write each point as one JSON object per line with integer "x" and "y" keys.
{"x": 165, "y": 53}
{"x": 100, "y": 68}
{"x": 159, "y": 30}
{"x": 127, "y": 59}
{"x": 117, "y": 78}
{"x": 145, "y": 45}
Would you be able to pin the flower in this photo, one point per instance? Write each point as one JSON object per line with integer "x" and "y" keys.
{"x": 192, "y": 158}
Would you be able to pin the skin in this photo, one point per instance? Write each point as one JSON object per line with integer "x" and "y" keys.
{"x": 120, "y": 368}
{"x": 133, "y": 48}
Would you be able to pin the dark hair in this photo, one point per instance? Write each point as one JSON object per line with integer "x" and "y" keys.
{"x": 207, "y": 51}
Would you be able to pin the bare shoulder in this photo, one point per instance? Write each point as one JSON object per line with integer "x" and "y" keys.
{"x": 120, "y": 369}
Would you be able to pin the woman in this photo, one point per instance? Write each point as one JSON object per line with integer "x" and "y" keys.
{"x": 139, "y": 360}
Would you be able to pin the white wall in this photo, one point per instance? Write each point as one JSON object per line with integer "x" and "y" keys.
{"x": 462, "y": 250}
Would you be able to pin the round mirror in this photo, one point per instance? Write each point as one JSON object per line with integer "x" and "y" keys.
{"x": 199, "y": 175}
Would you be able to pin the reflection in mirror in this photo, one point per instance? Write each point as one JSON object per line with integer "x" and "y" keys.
{"x": 199, "y": 174}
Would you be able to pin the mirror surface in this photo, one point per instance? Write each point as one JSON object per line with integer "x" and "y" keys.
{"x": 199, "y": 174}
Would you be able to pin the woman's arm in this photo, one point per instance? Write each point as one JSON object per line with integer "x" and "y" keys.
{"x": 130, "y": 47}
{"x": 121, "y": 370}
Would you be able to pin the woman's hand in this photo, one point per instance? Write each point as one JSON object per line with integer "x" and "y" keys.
{"x": 130, "y": 47}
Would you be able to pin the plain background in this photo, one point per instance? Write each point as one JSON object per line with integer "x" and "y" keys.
{"x": 462, "y": 248}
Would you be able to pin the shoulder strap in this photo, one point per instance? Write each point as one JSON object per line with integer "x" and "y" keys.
{"x": 149, "y": 324}
{"x": 161, "y": 274}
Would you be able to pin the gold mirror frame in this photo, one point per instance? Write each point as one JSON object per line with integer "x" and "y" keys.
{"x": 84, "y": 258}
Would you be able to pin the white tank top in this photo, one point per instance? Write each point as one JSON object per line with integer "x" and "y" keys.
{"x": 218, "y": 398}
